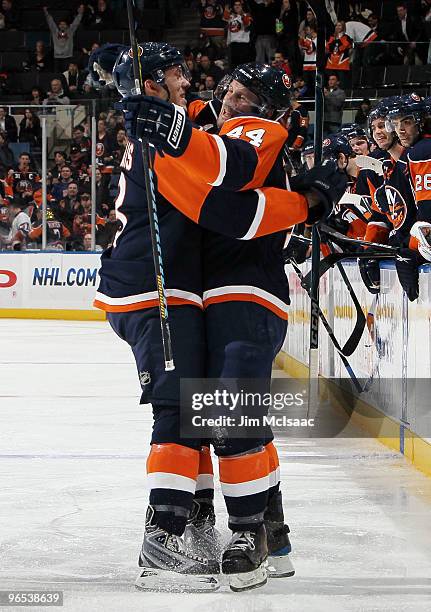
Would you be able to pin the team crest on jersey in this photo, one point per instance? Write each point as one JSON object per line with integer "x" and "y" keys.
{"x": 326, "y": 142}
{"x": 140, "y": 51}
{"x": 287, "y": 81}
{"x": 397, "y": 206}
{"x": 144, "y": 378}
{"x": 415, "y": 97}
{"x": 100, "y": 149}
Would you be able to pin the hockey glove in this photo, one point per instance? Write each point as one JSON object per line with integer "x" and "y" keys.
{"x": 407, "y": 264}
{"x": 164, "y": 124}
{"x": 327, "y": 181}
{"x": 370, "y": 273}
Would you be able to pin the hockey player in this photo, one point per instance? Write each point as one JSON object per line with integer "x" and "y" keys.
{"x": 127, "y": 292}
{"x": 245, "y": 288}
{"x": 357, "y": 138}
{"x": 125, "y": 82}
{"x": 350, "y": 216}
{"x": 410, "y": 118}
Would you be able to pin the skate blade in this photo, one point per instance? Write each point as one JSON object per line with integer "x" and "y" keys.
{"x": 248, "y": 580}
{"x": 164, "y": 581}
{"x": 280, "y": 566}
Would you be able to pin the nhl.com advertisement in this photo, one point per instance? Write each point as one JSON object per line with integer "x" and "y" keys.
{"x": 48, "y": 280}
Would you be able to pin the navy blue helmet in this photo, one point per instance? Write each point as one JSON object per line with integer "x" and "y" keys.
{"x": 271, "y": 86}
{"x": 336, "y": 144}
{"x": 154, "y": 57}
{"x": 102, "y": 60}
{"x": 353, "y": 130}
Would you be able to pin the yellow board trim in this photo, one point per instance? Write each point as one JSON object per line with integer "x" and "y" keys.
{"x": 382, "y": 427}
{"x": 47, "y": 313}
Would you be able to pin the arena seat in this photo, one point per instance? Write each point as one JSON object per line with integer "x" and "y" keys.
{"x": 397, "y": 75}
{"x": 13, "y": 60}
{"x": 10, "y": 40}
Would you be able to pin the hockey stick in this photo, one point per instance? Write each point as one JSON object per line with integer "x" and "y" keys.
{"x": 330, "y": 331}
{"x": 313, "y": 359}
{"x": 152, "y": 209}
{"x": 369, "y": 163}
{"x": 337, "y": 236}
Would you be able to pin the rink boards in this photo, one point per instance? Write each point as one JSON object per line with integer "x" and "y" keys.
{"x": 392, "y": 357}
{"x": 49, "y": 285}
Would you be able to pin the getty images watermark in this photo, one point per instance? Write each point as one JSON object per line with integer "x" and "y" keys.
{"x": 243, "y": 408}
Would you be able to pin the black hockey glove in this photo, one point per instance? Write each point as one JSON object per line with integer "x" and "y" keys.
{"x": 164, "y": 124}
{"x": 407, "y": 264}
{"x": 370, "y": 273}
{"x": 327, "y": 181}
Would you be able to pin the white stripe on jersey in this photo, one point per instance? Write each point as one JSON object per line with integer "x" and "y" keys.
{"x": 260, "y": 209}
{"x": 246, "y": 289}
{"x": 146, "y": 297}
{"x": 223, "y": 159}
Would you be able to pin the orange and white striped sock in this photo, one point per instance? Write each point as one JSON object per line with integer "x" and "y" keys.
{"x": 245, "y": 482}
{"x": 172, "y": 472}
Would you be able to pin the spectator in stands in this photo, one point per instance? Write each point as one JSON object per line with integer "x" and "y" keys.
{"x": 86, "y": 242}
{"x": 309, "y": 20}
{"x": 72, "y": 198}
{"x": 56, "y": 95}
{"x": 103, "y": 17}
{"x": 361, "y": 117}
{"x": 29, "y": 128}
{"x": 194, "y": 73}
{"x": 287, "y": 28}
{"x": 411, "y": 30}
{"x": 238, "y": 33}
{"x": 62, "y": 38}
{"x": 212, "y": 25}
{"x": 208, "y": 68}
{"x": 78, "y": 161}
{"x": 9, "y": 15}
{"x": 106, "y": 235}
{"x": 264, "y": 16}
{"x": 338, "y": 49}
{"x": 74, "y": 79}
{"x": 40, "y": 59}
{"x": 334, "y": 103}
{"x": 59, "y": 163}
{"x": 301, "y": 86}
{"x": 59, "y": 189}
{"x": 120, "y": 146}
{"x": 82, "y": 142}
{"x": 37, "y": 96}
{"x": 8, "y": 125}
{"x": 104, "y": 144}
{"x": 7, "y": 160}
{"x": 281, "y": 63}
{"x": 209, "y": 84}
{"x": 309, "y": 47}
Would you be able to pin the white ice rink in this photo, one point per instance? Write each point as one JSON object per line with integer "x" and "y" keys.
{"x": 73, "y": 443}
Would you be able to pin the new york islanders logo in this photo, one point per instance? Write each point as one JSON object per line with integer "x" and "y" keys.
{"x": 140, "y": 51}
{"x": 397, "y": 206}
{"x": 287, "y": 81}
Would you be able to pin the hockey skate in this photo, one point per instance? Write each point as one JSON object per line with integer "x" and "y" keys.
{"x": 167, "y": 566}
{"x": 200, "y": 535}
{"x": 279, "y": 547}
{"x": 244, "y": 560}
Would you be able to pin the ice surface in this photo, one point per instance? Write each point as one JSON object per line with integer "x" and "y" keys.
{"x": 73, "y": 442}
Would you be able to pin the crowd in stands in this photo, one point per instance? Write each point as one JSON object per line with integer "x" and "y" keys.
{"x": 44, "y": 51}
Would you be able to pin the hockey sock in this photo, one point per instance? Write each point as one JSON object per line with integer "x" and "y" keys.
{"x": 274, "y": 470}
{"x": 205, "y": 481}
{"x": 244, "y": 482}
{"x": 172, "y": 471}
